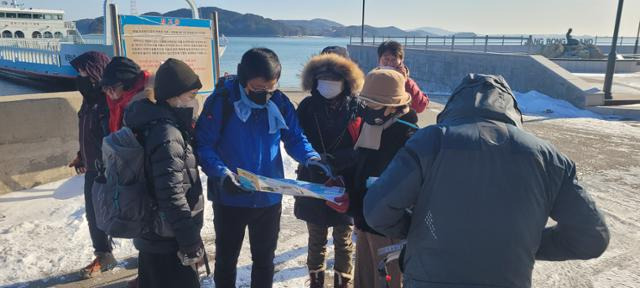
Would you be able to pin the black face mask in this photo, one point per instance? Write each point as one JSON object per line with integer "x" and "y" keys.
{"x": 90, "y": 91}
{"x": 376, "y": 117}
{"x": 259, "y": 98}
{"x": 184, "y": 117}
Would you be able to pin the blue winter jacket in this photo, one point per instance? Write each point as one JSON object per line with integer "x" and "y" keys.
{"x": 247, "y": 145}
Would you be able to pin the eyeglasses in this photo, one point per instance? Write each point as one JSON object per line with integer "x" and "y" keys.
{"x": 263, "y": 89}
{"x": 113, "y": 88}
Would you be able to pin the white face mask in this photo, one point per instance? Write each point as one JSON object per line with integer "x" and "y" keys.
{"x": 330, "y": 89}
{"x": 387, "y": 67}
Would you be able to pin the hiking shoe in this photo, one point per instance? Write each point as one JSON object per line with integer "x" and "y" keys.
{"x": 133, "y": 283}
{"x": 316, "y": 279}
{"x": 104, "y": 261}
{"x": 340, "y": 281}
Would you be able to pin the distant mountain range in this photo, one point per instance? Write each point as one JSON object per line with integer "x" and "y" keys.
{"x": 237, "y": 24}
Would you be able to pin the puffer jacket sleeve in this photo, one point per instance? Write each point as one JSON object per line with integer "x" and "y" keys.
{"x": 208, "y": 129}
{"x": 397, "y": 189}
{"x": 419, "y": 100}
{"x": 167, "y": 163}
{"x": 295, "y": 142}
{"x": 581, "y": 232}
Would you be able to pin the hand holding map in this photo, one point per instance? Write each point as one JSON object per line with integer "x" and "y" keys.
{"x": 291, "y": 187}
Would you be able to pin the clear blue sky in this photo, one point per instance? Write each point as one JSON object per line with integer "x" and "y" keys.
{"x": 487, "y": 16}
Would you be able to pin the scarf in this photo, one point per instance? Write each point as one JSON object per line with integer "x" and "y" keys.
{"x": 371, "y": 135}
{"x": 116, "y": 107}
{"x": 244, "y": 108}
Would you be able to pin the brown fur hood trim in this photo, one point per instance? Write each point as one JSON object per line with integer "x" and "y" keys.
{"x": 334, "y": 64}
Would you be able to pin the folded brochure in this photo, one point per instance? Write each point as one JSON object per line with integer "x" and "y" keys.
{"x": 291, "y": 187}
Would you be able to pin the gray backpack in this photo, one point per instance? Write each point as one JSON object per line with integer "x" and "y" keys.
{"x": 121, "y": 199}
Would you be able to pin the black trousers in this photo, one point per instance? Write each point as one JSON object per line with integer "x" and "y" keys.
{"x": 164, "y": 270}
{"x": 230, "y": 224}
{"x": 99, "y": 239}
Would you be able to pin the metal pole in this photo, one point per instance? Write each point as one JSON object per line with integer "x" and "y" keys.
{"x": 115, "y": 30}
{"x": 635, "y": 49}
{"x": 362, "y": 29}
{"x": 486, "y": 43}
{"x": 426, "y": 43}
{"x": 194, "y": 9}
{"x": 216, "y": 42}
{"x": 108, "y": 40}
{"x": 453, "y": 42}
{"x": 611, "y": 65}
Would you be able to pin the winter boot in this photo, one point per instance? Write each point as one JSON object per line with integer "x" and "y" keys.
{"x": 133, "y": 283}
{"x": 340, "y": 281}
{"x": 104, "y": 261}
{"x": 316, "y": 279}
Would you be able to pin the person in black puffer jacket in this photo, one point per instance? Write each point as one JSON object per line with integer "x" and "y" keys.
{"x": 329, "y": 118}
{"x": 389, "y": 123}
{"x": 171, "y": 253}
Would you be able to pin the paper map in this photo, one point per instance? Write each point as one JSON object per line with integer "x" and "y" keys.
{"x": 288, "y": 186}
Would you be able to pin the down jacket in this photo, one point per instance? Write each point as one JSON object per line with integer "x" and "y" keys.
{"x": 482, "y": 189}
{"x": 332, "y": 127}
{"x": 172, "y": 172}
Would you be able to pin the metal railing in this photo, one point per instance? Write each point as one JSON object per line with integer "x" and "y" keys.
{"x": 27, "y": 55}
{"x": 486, "y": 43}
{"x": 52, "y": 45}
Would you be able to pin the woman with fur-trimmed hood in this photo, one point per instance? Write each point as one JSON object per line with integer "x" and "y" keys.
{"x": 330, "y": 122}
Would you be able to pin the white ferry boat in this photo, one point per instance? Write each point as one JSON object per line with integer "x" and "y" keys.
{"x": 36, "y": 45}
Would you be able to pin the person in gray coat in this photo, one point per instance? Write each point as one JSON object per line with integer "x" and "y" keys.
{"x": 472, "y": 195}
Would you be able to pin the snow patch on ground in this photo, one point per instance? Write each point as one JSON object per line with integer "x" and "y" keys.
{"x": 538, "y": 104}
{"x": 44, "y": 234}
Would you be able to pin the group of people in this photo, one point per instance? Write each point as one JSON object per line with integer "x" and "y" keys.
{"x": 467, "y": 199}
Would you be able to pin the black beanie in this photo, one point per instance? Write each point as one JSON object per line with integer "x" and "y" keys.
{"x": 173, "y": 78}
{"x": 336, "y": 50}
{"x": 120, "y": 70}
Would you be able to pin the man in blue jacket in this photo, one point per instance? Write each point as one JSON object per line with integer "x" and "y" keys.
{"x": 241, "y": 126}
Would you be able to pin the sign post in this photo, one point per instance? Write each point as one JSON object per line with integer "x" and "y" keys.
{"x": 150, "y": 40}
{"x": 216, "y": 45}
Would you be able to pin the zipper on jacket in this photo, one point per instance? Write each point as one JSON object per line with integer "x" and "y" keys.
{"x": 82, "y": 142}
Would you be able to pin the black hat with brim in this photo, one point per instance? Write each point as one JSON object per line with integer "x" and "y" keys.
{"x": 120, "y": 70}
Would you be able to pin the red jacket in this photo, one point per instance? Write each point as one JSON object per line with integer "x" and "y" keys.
{"x": 419, "y": 100}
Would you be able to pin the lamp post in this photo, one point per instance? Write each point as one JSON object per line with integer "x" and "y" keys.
{"x": 362, "y": 28}
{"x": 611, "y": 65}
{"x": 635, "y": 49}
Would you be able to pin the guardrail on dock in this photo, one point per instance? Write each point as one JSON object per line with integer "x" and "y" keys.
{"x": 30, "y": 55}
{"x": 485, "y": 43}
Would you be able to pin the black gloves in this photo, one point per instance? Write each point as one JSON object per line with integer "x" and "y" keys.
{"x": 231, "y": 184}
{"x": 192, "y": 256}
{"x": 319, "y": 168}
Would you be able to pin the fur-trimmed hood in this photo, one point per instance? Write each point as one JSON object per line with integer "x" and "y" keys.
{"x": 335, "y": 64}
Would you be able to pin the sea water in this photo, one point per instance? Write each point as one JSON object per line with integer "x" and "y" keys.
{"x": 293, "y": 52}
